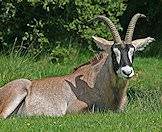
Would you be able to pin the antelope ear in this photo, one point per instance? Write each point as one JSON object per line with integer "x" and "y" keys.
{"x": 140, "y": 44}
{"x": 102, "y": 43}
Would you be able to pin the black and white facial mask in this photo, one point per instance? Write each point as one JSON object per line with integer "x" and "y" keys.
{"x": 122, "y": 56}
{"x": 122, "y": 59}
{"x": 122, "y": 51}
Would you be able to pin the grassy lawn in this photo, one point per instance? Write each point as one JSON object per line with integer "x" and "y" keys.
{"x": 143, "y": 112}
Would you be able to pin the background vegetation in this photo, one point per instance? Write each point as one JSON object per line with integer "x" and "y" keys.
{"x": 59, "y": 27}
{"x": 42, "y": 26}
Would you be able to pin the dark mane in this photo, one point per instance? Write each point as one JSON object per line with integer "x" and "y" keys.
{"x": 94, "y": 61}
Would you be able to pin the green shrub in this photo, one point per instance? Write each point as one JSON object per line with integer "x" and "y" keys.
{"x": 63, "y": 54}
{"x": 37, "y": 25}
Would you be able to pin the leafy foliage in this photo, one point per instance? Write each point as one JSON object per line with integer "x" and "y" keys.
{"x": 38, "y": 26}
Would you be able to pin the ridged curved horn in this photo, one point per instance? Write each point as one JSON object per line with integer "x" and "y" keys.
{"x": 131, "y": 26}
{"x": 112, "y": 27}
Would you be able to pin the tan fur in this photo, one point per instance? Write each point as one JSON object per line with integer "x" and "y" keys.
{"x": 93, "y": 84}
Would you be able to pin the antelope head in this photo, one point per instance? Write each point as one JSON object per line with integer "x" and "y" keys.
{"x": 122, "y": 52}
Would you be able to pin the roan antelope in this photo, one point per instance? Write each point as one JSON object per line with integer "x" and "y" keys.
{"x": 101, "y": 83}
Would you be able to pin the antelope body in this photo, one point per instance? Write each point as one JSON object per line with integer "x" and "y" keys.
{"x": 101, "y": 84}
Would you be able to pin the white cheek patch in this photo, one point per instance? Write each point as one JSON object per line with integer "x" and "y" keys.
{"x": 118, "y": 54}
{"x": 130, "y": 54}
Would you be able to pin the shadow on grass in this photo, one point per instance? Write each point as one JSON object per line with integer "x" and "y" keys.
{"x": 134, "y": 94}
{"x": 148, "y": 100}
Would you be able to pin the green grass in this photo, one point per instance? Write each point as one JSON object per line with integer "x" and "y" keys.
{"x": 129, "y": 121}
{"x": 143, "y": 112}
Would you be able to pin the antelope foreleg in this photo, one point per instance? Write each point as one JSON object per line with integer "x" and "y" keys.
{"x": 120, "y": 99}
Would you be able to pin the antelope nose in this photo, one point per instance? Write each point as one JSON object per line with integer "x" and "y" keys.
{"x": 127, "y": 72}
